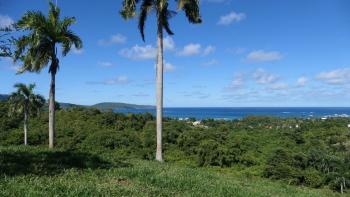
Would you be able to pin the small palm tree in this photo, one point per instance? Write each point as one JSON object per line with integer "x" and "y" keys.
{"x": 191, "y": 8}
{"x": 38, "y": 48}
{"x": 25, "y": 102}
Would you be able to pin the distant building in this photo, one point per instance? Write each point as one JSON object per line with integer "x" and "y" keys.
{"x": 196, "y": 123}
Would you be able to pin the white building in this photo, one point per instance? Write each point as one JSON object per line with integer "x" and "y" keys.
{"x": 196, "y": 123}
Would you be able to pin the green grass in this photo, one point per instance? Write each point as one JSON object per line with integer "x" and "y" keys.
{"x": 41, "y": 172}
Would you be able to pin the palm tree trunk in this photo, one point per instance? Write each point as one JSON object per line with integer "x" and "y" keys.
{"x": 25, "y": 127}
{"x": 52, "y": 111}
{"x": 159, "y": 155}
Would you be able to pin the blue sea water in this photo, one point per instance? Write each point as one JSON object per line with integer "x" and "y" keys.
{"x": 241, "y": 112}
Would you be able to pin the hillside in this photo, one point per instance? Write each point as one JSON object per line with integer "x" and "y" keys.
{"x": 78, "y": 174}
{"x": 70, "y": 105}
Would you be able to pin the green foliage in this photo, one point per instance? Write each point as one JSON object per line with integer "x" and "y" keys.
{"x": 283, "y": 165}
{"x": 255, "y": 147}
{"x": 20, "y": 161}
{"x": 313, "y": 178}
{"x": 211, "y": 153}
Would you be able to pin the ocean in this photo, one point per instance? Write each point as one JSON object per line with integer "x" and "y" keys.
{"x": 230, "y": 113}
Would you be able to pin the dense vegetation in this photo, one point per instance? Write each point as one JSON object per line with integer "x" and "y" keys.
{"x": 312, "y": 153}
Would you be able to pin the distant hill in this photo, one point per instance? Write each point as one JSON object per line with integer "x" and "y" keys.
{"x": 70, "y": 105}
{"x": 111, "y": 105}
{"x": 4, "y": 97}
{"x": 101, "y": 106}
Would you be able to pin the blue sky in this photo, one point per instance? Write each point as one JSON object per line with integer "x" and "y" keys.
{"x": 245, "y": 53}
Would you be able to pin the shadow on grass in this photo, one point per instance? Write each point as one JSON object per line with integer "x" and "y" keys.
{"x": 14, "y": 163}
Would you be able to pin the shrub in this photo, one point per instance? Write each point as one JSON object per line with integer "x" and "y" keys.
{"x": 281, "y": 165}
{"x": 211, "y": 153}
{"x": 312, "y": 178}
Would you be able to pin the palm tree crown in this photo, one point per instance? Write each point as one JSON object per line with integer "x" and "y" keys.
{"x": 25, "y": 100}
{"x": 38, "y": 48}
{"x": 190, "y": 7}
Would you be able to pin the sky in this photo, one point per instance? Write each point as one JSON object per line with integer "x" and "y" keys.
{"x": 256, "y": 53}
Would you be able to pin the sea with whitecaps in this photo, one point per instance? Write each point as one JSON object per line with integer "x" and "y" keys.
{"x": 229, "y": 113}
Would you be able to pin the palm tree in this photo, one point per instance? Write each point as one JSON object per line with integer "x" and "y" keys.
{"x": 25, "y": 101}
{"x": 38, "y": 48}
{"x": 191, "y": 8}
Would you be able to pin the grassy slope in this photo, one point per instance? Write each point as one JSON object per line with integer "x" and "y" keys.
{"x": 27, "y": 170}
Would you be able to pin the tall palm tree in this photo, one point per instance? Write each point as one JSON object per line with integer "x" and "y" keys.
{"x": 38, "y": 48}
{"x": 163, "y": 14}
{"x": 25, "y": 101}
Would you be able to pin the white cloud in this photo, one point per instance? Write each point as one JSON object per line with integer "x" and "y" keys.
{"x": 301, "y": 81}
{"x": 237, "y": 81}
{"x": 278, "y": 86}
{"x": 9, "y": 65}
{"x": 231, "y": 17}
{"x": 168, "y": 43}
{"x": 216, "y": 1}
{"x": 262, "y": 77}
{"x": 15, "y": 68}
{"x": 5, "y": 21}
{"x": 105, "y": 64}
{"x": 195, "y": 94}
{"x": 139, "y": 52}
{"x": 77, "y": 51}
{"x": 118, "y": 80}
{"x": 168, "y": 67}
{"x": 196, "y": 49}
{"x": 263, "y": 56}
{"x": 335, "y": 77}
{"x": 209, "y": 49}
{"x": 114, "y": 39}
{"x": 190, "y": 50}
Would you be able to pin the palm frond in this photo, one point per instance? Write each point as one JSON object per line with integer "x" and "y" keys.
{"x": 146, "y": 7}
{"x": 54, "y": 13}
{"x": 129, "y": 8}
{"x": 191, "y": 8}
{"x": 166, "y": 15}
{"x": 31, "y": 20}
{"x": 69, "y": 38}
